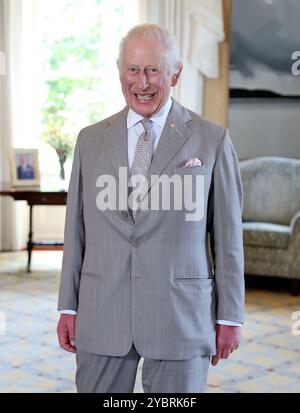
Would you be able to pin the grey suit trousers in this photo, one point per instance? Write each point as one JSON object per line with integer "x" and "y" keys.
{"x": 109, "y": 374}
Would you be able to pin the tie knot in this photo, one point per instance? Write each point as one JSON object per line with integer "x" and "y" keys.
{"x": 146, "y": 124}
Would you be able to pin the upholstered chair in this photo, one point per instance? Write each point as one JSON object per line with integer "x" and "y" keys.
{"x": 271, "y": 217}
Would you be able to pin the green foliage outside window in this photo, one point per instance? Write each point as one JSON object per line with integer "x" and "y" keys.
{"x": 72, "y": 76}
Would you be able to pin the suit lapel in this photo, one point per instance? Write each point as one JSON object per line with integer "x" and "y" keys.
{"x": 175, "y": 133}
{"x": 115, "y": 142}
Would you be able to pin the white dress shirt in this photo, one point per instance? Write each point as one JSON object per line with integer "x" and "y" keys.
{"x": 135, "y": 128}
{"x": 134, "y": 131}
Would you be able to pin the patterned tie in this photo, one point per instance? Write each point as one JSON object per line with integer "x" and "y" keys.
{"x": 142, "y": 157}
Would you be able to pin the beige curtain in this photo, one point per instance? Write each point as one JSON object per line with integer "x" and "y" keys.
{"x": 198, "y": 27}
{"x": 18, "y": 41}
{"x": 7, "y": 207}
{"x": 2, "y": 73}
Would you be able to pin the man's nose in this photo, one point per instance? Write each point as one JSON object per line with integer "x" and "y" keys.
{"x": 143, "y": 80}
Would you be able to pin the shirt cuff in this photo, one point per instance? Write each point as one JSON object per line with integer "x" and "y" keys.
{"x": 72, "y": 312}
{"x": 229, "y": 323}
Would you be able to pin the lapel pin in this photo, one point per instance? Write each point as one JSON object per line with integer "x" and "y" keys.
{"x": 172, "y": 125}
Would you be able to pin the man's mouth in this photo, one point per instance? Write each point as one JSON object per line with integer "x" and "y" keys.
{"x": 145, "y": 98}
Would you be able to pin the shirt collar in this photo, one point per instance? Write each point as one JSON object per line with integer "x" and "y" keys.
{"x": 158, "y": 118}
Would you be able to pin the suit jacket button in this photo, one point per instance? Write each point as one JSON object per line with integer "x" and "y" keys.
{"x": 135, "y": 243}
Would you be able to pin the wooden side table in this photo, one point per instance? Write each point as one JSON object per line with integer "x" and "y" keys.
{"x": 35, "y": 196}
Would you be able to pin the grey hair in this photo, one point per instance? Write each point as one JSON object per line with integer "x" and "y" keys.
{"x": 152, "y": 32}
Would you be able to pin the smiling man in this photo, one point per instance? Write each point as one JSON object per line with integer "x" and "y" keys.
{"x": 142, "y": 283}
{"x": 147, "y": 72}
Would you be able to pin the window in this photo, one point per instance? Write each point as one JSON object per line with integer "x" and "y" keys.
{"x": 79, "y": 77}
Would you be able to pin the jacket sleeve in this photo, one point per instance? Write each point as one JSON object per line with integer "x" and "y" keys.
{"x": 74, "y": 238}
{"x": 226, "y": 204}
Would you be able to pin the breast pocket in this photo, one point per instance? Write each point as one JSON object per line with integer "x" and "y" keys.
{"x": 192, "y": 191}
{"x": 192, "y": 170}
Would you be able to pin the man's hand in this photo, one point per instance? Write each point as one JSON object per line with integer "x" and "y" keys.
{"x": 66, "y": 332}
{"x": 228, "y": 339}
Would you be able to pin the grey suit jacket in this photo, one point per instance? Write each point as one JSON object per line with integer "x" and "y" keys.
{"x": 154, "y": 282}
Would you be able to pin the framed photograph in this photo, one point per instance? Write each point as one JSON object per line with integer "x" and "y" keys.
{"x": 24, "y": 165}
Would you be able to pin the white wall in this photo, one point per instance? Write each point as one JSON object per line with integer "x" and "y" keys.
{"x": 48, "y": 223}
{"x": 265, "y": 128}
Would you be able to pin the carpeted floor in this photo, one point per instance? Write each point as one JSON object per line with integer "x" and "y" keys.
{"x": 31, "y": 360}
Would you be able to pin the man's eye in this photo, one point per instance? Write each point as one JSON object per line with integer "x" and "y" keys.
{"x": 133, "y": 70}
{"x": 153, "y": 70}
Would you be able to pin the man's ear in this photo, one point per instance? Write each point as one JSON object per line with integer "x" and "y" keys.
{"x": 175, "y": 77}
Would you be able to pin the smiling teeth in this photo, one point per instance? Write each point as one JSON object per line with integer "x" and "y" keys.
{"x": 144, "y": 97}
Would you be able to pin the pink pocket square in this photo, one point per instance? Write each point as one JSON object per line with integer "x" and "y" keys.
{"x": 192, "y": 162}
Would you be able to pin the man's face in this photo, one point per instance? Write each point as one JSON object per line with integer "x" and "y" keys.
{"x": 145, "y": 76}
